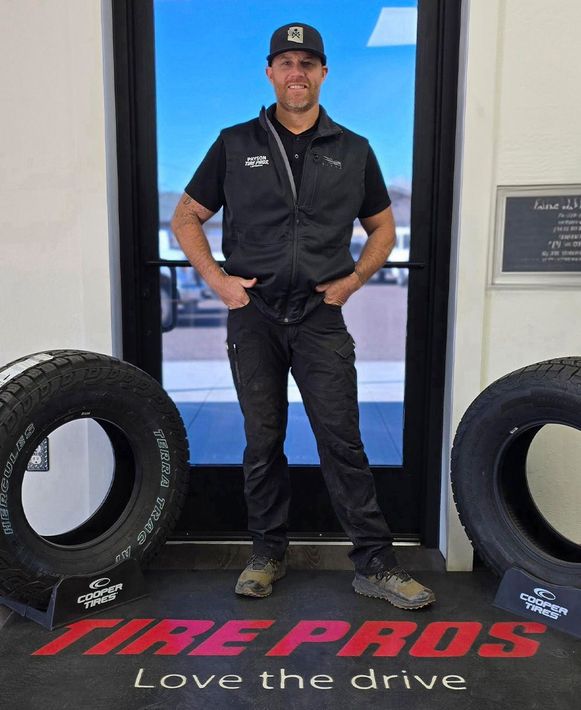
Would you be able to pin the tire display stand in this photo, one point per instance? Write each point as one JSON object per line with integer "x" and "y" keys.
{"x": 76, "y": 597}
{"x": 533, "y": 598}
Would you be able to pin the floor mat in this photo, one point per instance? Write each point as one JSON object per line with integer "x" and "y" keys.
{"x": 313, "y": 644}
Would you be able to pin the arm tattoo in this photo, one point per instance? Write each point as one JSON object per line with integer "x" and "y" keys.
{"x": 186, "y": 200}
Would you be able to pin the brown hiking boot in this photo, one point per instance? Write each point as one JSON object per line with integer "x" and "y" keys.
{"x": 257, "y": 578}
{"x": 395, "y": 585}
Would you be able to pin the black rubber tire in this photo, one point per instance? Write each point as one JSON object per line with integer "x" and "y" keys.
{"x": 488, "y": 470}
{"x": 149, "y": 483}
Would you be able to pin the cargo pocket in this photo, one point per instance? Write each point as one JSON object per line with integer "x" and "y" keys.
{"x": 345, "y": 373}
{"x": 244, "y": 362}
{"x": 346, "y": 349}
{"x": 234, "y": 363}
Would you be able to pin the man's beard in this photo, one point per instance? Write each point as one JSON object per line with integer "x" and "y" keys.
{"x": 299, "y": 105}
{"x": 297, "y": 108}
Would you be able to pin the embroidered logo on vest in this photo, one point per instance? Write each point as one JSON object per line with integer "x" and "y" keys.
{"x": 334, "y": 163}
{"x": 256, "y": 161}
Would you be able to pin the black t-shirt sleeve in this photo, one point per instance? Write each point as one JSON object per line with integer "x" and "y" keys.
{"x": 376, "y": 196}
{"x": 207, "y": 184}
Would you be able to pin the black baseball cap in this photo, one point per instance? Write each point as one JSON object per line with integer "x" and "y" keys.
{"x": 296, "y": 36}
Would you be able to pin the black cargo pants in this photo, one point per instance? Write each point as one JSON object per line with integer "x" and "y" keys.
{"x": 320, "y": 353}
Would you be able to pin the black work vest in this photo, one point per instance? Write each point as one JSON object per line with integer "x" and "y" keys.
{"x": 290, "y": 242}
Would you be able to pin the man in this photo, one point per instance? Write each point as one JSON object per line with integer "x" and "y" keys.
{"x": 292, "y": 183}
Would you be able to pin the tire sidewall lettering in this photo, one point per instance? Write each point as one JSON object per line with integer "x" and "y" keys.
{"x": 8, "y": 470}
{"x": 151, "y": 521}
{"x": 165, "y": 457}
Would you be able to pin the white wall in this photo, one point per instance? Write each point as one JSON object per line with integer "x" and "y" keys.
{"x": 81, "y": 466}
{"x": 520, "y": 126}
{"x": 553, "y": 477}
{"x": 54, "y": 218}
{"x": 58, "y": 217}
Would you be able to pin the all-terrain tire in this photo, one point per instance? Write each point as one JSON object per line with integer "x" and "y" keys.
{"x": 488, "y": 471}
{"x": 40, "y": 393}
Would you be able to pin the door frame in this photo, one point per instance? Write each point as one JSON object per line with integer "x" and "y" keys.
{"x": 436, "y": 84}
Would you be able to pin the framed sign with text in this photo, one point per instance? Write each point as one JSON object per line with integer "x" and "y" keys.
{"x": 538, "y": 236}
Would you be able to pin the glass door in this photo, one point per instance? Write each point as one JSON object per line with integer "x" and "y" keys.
{"x": 372, "y": 88}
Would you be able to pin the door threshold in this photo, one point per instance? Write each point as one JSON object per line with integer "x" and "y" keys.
{"x": 346, "y": 543}
{"x": 324, "y": 555}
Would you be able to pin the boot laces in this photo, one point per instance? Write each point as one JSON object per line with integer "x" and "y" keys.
{"x": 397, "y": 572}
{"x": 260, "y": 561}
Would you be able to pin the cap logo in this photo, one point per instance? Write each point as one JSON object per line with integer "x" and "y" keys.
{"x": 295, "y": 34}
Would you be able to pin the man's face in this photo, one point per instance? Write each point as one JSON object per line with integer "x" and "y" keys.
{"x": 297, "y": 77}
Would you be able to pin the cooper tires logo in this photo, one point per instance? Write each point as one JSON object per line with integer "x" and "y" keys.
{"x": 103, "y": 592}
{"x": 545, "y": 594}
{"x": 543, "y": 603}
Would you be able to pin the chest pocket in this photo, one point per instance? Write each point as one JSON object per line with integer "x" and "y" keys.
{"x": 254, "y": 194}
{"x": 335, "y": 187}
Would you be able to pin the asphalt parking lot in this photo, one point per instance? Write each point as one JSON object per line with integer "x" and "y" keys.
{"x": 375, "y": 316}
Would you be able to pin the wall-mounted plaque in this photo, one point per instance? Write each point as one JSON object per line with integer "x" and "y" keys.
{"x": 538, "y": 236}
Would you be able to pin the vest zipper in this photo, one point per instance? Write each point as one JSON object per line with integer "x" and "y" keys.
{"x": 291, "y": 179}
{"x": 295, "y": 248}
{"x": 296, "y": 219}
